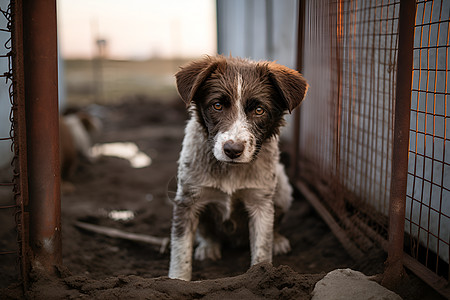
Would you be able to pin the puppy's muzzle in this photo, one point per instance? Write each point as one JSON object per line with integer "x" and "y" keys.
{"x": 233, "y": 149}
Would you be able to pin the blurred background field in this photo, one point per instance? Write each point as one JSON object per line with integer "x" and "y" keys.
{"x": 109, "y": 81}
{"x": 113, "y": 49}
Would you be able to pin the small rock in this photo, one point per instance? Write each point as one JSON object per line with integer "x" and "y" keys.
{"x": 349, "y": 284}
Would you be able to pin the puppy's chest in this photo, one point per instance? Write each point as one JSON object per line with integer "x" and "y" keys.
{"x": 199, "y": 168}
{"x": 231, "y": 179}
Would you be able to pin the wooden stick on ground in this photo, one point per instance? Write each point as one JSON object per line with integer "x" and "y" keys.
{"x": 115, "y": 233}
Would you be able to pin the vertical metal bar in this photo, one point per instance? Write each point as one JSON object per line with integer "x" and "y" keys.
{"x": 367, "y": 96}
{"x": 41, "y": 100}
{"x": 360, "y": 94}
{"x": 378, "y": 103}
{"x": 339, "y": 103}
{"x": 297, "y": 112}
{"x": 394, "y": 263}
{"x": 392, "y": 59}
{"x": 347, "y": 37}
{"x": 20, "y": 142}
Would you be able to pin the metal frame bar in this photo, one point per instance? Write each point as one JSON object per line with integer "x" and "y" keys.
{"x": 42, "y": 119}
{"x": 397, "y": 202}
{"x": 297, "y": 112}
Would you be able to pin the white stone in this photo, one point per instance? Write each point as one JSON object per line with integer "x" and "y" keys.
{"x": 349, "y": 284}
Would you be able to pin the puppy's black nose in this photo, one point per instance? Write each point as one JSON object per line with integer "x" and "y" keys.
{"x": 233, "y": 150}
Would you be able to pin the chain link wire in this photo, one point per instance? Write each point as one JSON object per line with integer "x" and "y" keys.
{"x": 6, "y": 53}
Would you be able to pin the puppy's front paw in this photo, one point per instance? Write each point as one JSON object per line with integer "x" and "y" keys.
{"x": 207, "y": 249}
{"x": 281, "y": 244}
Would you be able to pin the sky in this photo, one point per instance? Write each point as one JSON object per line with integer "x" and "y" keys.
{"x": 137, "y": 29}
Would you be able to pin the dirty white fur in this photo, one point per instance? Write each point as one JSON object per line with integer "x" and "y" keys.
{"x": 238, "y": 133}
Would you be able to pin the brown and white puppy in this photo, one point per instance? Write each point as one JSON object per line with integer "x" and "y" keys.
{"x": 229, "y": 164}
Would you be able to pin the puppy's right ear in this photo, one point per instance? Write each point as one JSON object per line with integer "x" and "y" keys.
{"x": 192, "y": 76}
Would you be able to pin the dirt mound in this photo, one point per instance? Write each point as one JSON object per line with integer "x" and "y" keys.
{"x": 262, "y": 281}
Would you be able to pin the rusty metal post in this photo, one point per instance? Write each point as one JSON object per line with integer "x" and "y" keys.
{"x": 300, "y": 47}
{"x": 394, "y": 263}
{"x": 41, "y": 102}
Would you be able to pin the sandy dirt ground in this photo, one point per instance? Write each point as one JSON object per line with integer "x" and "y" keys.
{"x": 100, "y": 267}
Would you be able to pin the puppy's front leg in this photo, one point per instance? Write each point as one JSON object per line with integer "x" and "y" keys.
{"x": 259, "y": 205}
{"x": 184, "y": 225}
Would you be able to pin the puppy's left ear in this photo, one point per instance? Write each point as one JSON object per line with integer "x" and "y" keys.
{"x": 289, "y": 83}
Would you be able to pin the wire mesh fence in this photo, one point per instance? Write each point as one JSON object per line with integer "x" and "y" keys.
{"x": 428, "y": 193}
{"x": 9, "y": 247}
{"x": 346, "y": 128}
{"x": 13, "y": 181}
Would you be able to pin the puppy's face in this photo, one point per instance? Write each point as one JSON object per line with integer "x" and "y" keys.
{"x": 239, "y": 109}
{"x": 239, "y": 103}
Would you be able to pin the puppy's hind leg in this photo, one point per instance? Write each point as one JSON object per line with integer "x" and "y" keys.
{"x": 207, "y": 248}
{"x": 281, "y": 244}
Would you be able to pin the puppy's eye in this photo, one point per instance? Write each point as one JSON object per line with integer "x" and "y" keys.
{"x": 259, "y": 111}
{"x": 218, "y": 106}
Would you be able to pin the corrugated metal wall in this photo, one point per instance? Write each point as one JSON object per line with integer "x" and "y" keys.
{"x": 258, "y": 29}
